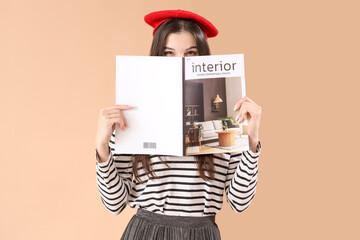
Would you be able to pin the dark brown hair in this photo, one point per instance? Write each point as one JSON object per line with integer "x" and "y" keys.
{"x": 205, "y": 163}
{"x": 175, "y": 25}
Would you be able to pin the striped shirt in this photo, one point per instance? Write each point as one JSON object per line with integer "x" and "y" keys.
{"x": 179, "y": 190}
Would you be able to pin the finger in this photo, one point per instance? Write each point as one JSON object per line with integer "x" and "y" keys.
{"x": 116, "y": 108}
{"x": 116, "y": 121}
{"x": 247, "y": 110}
{"x": 249, "y": 99}
{"x": 240, "y": 119}
{"x": 124, "y": 119}
{"x": 120, "y": 122}
{"x": 251, "y": 106}
{"x": 112, "y": 122}
{"x": 244, "y": 116}
{"x": 240, "y": 102}
{"x": 122, "y": 107}
{"x": 252, "y": 109}
{"x": 243, "y": 109}
{"x": 116, "y": 113}
{"x": 117, "y": 118}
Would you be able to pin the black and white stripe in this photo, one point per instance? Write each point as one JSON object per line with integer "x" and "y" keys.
{"x": 178, "y": 190}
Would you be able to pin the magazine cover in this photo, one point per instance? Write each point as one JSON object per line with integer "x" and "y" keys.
{"x": 183, "y": 106}
{"x": 212, "y": 87}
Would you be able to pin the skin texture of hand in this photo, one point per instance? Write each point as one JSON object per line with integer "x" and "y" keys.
{"x": 249, "y": 110}
{"x": 107, "y": 119}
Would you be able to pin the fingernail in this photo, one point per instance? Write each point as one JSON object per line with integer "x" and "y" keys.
{"x": 235, "y": 108}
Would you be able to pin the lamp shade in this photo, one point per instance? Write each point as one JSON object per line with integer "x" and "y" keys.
{"x": 217, "y": 99}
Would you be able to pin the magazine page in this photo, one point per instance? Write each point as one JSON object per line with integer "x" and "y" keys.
{"x": 212, "y": 87}
{"x": 153, "y": 85}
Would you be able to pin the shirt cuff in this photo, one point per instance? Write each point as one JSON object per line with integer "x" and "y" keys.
{"x": 258, "y": 150}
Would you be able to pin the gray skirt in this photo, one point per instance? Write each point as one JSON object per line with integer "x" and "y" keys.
{"x": 146, "y": 225}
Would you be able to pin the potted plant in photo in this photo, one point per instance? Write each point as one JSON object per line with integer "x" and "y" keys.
{"x": 228, "y": 122}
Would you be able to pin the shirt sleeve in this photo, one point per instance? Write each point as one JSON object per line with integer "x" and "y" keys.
{"x": 241, "y": 178}
{"x": 114, "y": 179}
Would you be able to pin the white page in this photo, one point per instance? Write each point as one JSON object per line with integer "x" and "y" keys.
{"x": 153, "y": 85}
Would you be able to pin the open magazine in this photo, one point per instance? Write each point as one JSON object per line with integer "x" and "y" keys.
{"x": 183, "y": 105}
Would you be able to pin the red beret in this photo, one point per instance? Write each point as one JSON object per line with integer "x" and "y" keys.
{"x": 155, "y": 19}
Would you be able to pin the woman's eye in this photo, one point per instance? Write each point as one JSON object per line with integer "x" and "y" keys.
{"x": 168, "y": 53}
{"x": 192, "y": 53}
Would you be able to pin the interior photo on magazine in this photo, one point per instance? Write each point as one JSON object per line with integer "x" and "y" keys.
{"x": 182, "y": 105}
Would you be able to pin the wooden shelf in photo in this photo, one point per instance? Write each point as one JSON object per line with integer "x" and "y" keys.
{"x": 192, "y": 113}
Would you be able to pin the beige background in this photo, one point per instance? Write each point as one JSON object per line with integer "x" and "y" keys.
{"x": 57, "y": 69}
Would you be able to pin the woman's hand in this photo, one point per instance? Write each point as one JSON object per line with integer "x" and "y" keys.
{"x": 252, "y": 112}
{"x": 106, "y": 125}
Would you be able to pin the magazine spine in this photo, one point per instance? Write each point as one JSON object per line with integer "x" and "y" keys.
{"x": 183, "y": 104}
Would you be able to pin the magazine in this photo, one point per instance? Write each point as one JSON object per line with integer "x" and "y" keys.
{"x": 182, "y": 105}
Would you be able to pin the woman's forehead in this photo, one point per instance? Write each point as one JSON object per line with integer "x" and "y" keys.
{"x": 183, "y": 39}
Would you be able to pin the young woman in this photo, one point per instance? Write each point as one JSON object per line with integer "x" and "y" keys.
{"x": 176, "y": 197}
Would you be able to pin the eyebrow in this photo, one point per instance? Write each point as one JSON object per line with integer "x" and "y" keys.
{"x": 186, "y": 49}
